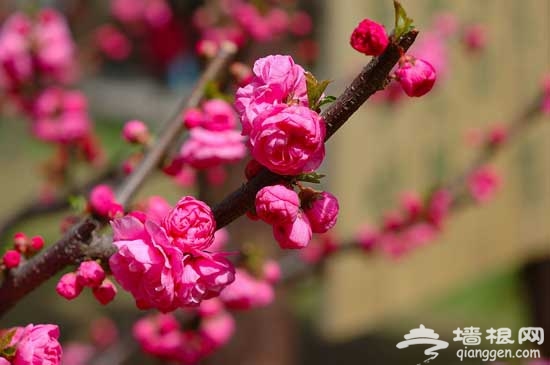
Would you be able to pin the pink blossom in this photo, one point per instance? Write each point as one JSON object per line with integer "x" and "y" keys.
{"x": 127, "y": 10}
{"x": 20, "y": 241}
{"x": 103, "y": 202}
{"x": 319, "y": 249}
{"x": 368, "y": 237}
{"x": 277, "y": 80}
{"x": 210, "y": 307}
{"x": 158, "y": 13}
{"x": 369, "y": 38}
{"x": 219, "y": 115}
{"x": 417, "y": 77}
{"x": 113, "y": 43}
{"x": 145, "y": 263}
{"x": 475, "y": 37}
{"x": 68, "y": 286}
{"x": 277, "y": 204}
{"x": 75, "y": 353}
{"x": 103, "y": 332}
{"x": 218, "y": 329}
{"x": 205, "y": 149}
{"x": 412, "y": 204}
{"x": 483, "y": 184}
{"x": 193, "y": 117}
{"x": 158, "y": 335}
{"x": 163, "y": 337}
{"x": 288, "y": 140}
{"x": 446, "y": 24}
{"x": 135, "y": 131}
{"x": 3, "y": 361}
{"x": 247, "y": 292}
{"x": 106, "y": 292}
{"x": 293, "y": 235}
{"x": 221, "y": 238}
{"x": 90, "y": 274}
{"x": 203, "y": 277}
{"x": 155, "y": 208}
{"x": 11, "y": 259}
{"x": 37, "y": 345}
{"x": 16, "y": 65}
{"x": 37, "y": 243}
{"x": 158, "y": 274}
{"x": 272, "y": 271}
{"x": 55, "y": 49}
{"x": 191, "y": 224}
{"x": 432, "y": 48}
{"x": 301, "y": 23}
{"x": 498, "y": 135}
{"x": 61, "y": 116}
{"x": 322, "y": 212}
{"x": 439, "y": 206}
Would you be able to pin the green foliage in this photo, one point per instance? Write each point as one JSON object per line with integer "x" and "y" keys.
{"x": 403, "y": 23}
{"x": 312, "y": 177}
{"x": 315, "y": 90}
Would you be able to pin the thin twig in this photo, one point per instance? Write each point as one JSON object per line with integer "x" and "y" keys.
{"x": 73, "y": 247}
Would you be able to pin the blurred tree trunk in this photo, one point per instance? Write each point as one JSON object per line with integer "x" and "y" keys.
{"x": 536, "y": 276}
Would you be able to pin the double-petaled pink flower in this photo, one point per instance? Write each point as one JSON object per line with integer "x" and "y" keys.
{"x": 35, "y": 345}
{"x": 163, "y": 266}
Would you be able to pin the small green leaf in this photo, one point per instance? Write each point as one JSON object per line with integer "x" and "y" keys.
{"x": 8, "y": 352}
{"x": 78, "y": 203}
{"x": 326, "y": 100}
{"x": 5, "y": 340}
{"x": 315, "y": 90}
{"x": 312, "y": 177}
{"x": 403, "y": 23}
{"x": 212, "y": 91}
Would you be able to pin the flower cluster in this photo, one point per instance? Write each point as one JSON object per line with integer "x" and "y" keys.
{"x": 415, "y": 224}
{"x": 61, "y": 116}
{"x": 162, "y": 260}
{"x": 296, "y": 217}
{"x": 285, "y": 135}
{"x": 483, "y": 183}
{"x": 213, "y": 138}
{"x": 250, "y": 291}
{"x": 164, "y": 337}
{"x": 38, "y": 49}
{"x": 23, "y": 247}
{"x": 213, "y": 143}
{"x": 30, "y": 345}
{"x": 155, "y": 13}
{"x": 89, "y": 274}
{"x": 103, "y": 202}
{"x": 238, "y": 21}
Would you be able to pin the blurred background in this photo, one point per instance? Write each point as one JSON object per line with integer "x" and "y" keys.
{"x": 489, "y": 268}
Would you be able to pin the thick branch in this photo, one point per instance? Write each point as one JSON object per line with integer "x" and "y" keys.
{"x": 371, "y": 79}
{"x": 74, "y": 246}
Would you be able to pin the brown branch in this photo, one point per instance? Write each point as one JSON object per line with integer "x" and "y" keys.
{"x": 75, "y": 245}
{"x": 371, "y": 79}
{"x": 293, "y": 267}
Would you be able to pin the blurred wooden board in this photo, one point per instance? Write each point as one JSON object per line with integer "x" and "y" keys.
{"x": 382, "y": 152}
